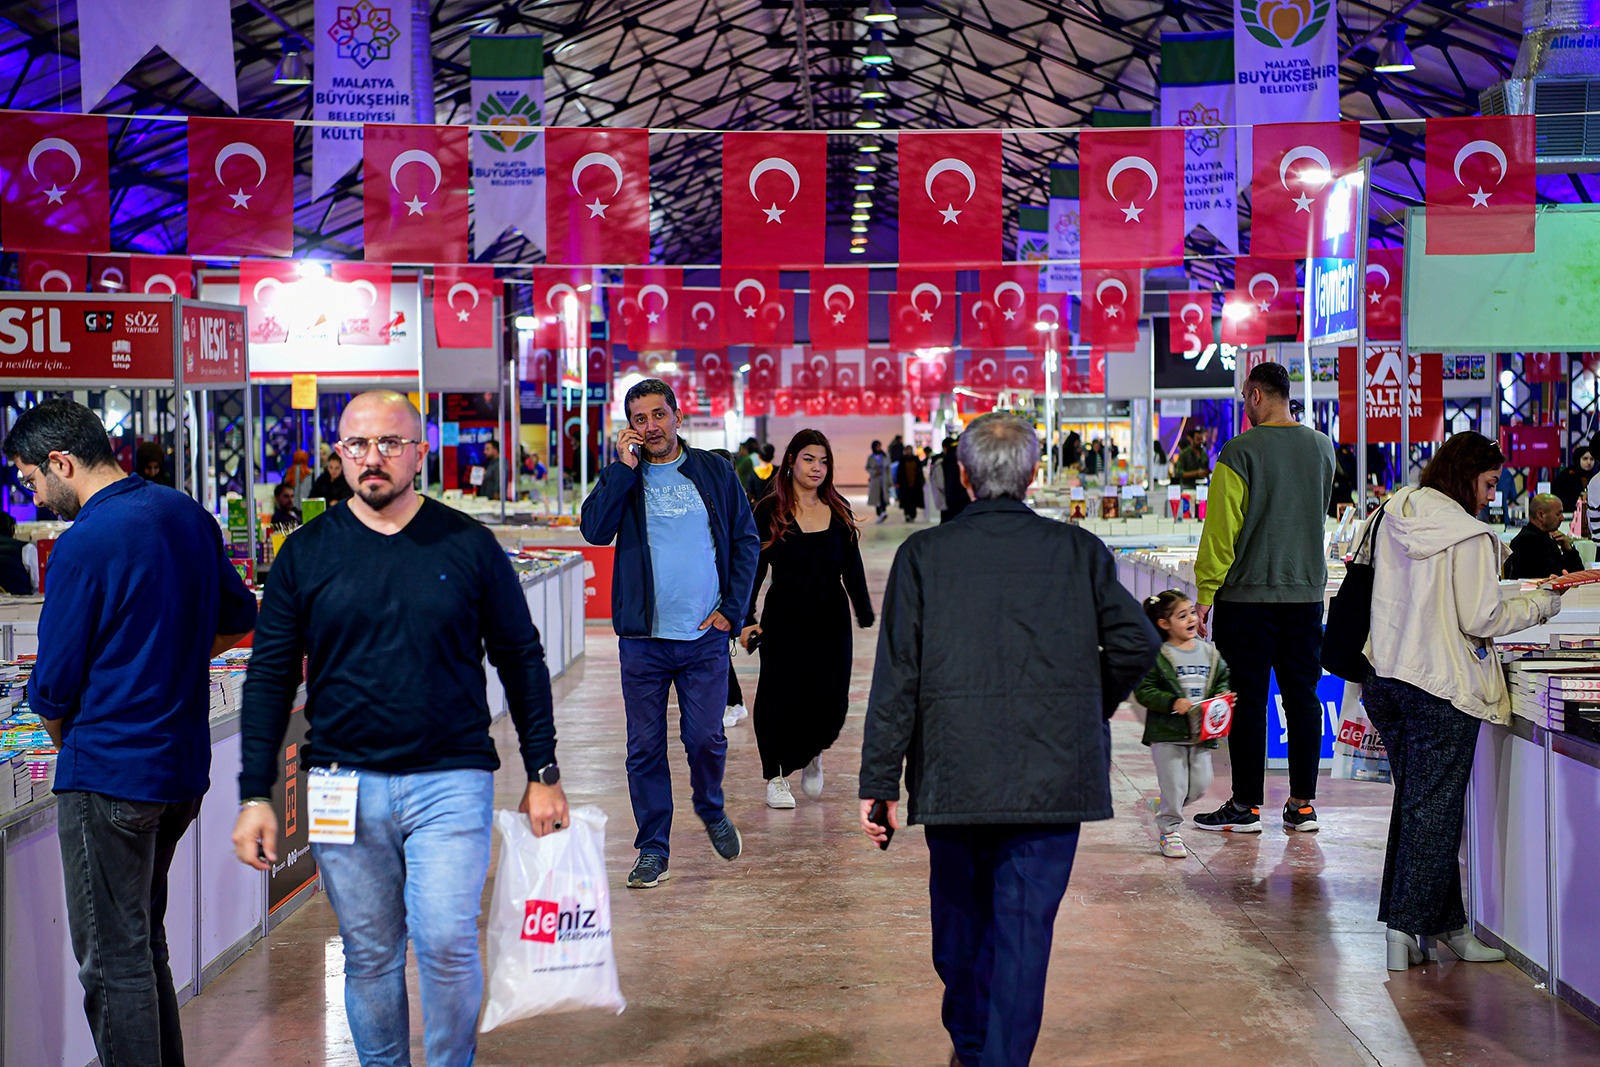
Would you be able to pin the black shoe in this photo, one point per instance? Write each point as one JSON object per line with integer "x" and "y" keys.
{"x": 1231, "y": 817}
{"x": 725, "y": 838}
{"x": 1303, "y": 818}
{"x": 649, "y": 872}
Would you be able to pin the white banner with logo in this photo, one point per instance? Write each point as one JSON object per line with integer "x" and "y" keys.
{"x": 1197, "y": 94}
{"x": 508, "y": 164}
{"x": 1063, "y": 277}
{"x": 361, "y": 72}
{"x": 1285, "y": 64}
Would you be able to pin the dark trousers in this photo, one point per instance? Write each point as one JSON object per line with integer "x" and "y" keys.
{"x": 735, "y": 691}
{"x": 994, "y": 892}
{"x": 115, "y": 855}
{"x": 1430, "y": 744}
{"x": 699, "y": 671}
{"x": 1257, "y": 640}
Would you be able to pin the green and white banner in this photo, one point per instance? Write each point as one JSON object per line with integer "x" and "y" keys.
{"x": 1063, "y": 277}
{"x": 1197, "y": 94}
{"x": 1033, "y": 237}
{"x": 507, "y": 163}
{"x": 1286, "y": 66}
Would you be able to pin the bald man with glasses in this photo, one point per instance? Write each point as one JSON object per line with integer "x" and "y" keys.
{"x": 393, "y": 601}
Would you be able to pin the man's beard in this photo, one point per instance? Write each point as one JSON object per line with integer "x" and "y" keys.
{"x": 60, "y": 499}
{"x": 377, "y": 496}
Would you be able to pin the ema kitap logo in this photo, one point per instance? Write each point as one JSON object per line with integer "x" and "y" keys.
{"x": 1284, "y": 23}
{"x": 516, "y": 114}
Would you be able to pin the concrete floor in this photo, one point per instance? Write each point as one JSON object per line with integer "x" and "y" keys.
{"x": 813, "y": 948}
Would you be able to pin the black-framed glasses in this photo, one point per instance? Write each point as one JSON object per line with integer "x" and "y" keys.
{"x": 388, "y": 447}
{"x": 27, "y": 480}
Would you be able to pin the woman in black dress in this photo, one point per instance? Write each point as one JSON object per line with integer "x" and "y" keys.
{"x": 809, "y": 543}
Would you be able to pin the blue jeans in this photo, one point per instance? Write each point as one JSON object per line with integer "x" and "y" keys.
{"x": 699, "y": 670}
{"x": 994, "y": 892}
{"x": 416, "y": 869}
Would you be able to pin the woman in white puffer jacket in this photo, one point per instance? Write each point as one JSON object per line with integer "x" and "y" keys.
{"x": 1437, "y": 606}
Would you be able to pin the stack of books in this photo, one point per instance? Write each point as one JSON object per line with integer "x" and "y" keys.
{"x": 1553, "y": 692}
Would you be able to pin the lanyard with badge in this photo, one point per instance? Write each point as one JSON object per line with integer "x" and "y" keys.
{"x": 331, "y": 804}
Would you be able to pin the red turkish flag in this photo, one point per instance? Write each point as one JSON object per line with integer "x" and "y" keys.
{"x": 1111, "y": 304}
{"x": 1025, "y": 372}
{"x": 922, "y": 314}
{"x": 848, "y": 376}
{"x": 1054, "y": 311}
{"x": 537, "y": 366}
{"x": 974, "y": 405}
{"x": 1189, "y": 329}
{"x": 261, "y": 285}
{"x": 1480, "y": 182}
{"x": 1293, "y": 164}
{"x": 463, "y": 306}
{"x": 1540, "y": 367}
{"x": 1383, "y": 395}
{"x": 161, "y": 274}
{"x": 766, "y": 369}
{"x": 1132, "y": 197}
{"x": 950, "y": 195}
{"x": 1273, "y": 286}
{"x": 1385, "y": 274}
{"x": 839, "y": 308}
{"x": 651, "y": 308}
{"x": 600, "y": 366}
{"x": 597, "y": 195}
{"x": 757, "y": 403}
{"x": 561, "y": 298}
{"x": 1243, "y": 321}
{"x": 51, "y": 272}
{"x": 985, "y": 369}
{"x": 783, "y": 402}
{"x": 1005, "y": 313}
{"x": 57, "y": 191}
{"x": 883, "y": 370}
{"x": 414, "y": 193}
{"x": 774, "y": 199}
{"x": 241, "y": 187}
{"x": 755, "y": 311}
{"x": 702, "y": 325}
{"x": 844, "y": 402}
{"x": 882, "y": 402}
{"x": 715, "y": 372}
{"x": 1097, "y": 370}
{"x": 813, "y": 372}
{"x": 366, "y": 303}
{"x": 932, "y": 374}
{"x": 107, "y": 274}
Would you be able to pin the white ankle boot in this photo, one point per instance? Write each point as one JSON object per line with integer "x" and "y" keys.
{"x": 1468, "y": 948}
{"x": 1403, "y": 950}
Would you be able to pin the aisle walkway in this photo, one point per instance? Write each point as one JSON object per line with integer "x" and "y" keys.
{"x": 813, "y": 949}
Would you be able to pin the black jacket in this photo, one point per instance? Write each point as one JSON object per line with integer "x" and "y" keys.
{"x": 1535, "y": 554}
{"x": 986, "y": 685}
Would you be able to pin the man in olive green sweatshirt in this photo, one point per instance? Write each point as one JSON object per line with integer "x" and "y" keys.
{"x": 1262, "y": 572}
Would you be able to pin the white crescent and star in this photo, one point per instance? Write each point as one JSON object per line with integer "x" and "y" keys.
{"x": 55, "y": 144}
{"x": 361, "y": 285}
{"x": 161, "y": 279}
{"x": 1121, "y": 166}
{"x": 597, "y": 159}
{"x": 415, "y": 205}
{"x": 773, "y": 212}
{"x": 849, "y": 294}
{"x": 241, "y": 198}
{"x": 1319, "y": 179}
{"x": 117, "y": 282}
{"x": 1055, "y": 312}
{"x": 462, "y": 314}
{"x": 264, "y": 283}
{"x": 1004, "y": 287}
{"x": 1480, "y": 147}
{"x": 1264, "y": 305}
{"x": 654, "y": 316}
{"x": 1112, "y": 310}
{"x": 1199, "y": 314}
{"x": 761, "y": 296}
{"x": 951, "y": 213}
{"x": 1382, "y": 271}
{"x": 555, "y": 290}
{"x": 44, "y": 280}
{"x": 711, "y": 315}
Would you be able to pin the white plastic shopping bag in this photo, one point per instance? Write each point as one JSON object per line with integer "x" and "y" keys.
{"x": 550, "y": 921}
{"x": 1358, "y": 752}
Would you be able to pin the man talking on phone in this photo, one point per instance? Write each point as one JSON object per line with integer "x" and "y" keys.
{"x": 685, "y": 562}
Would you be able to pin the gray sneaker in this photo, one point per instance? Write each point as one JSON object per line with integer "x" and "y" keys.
{"x": 649, "y": 872}
{"x": 725, "y": 838}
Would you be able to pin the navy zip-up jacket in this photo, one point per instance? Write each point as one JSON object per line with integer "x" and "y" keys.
{"x": 615, "y": 510}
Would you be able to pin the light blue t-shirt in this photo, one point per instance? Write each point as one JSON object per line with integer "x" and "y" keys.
{"x": 682, "y": 558}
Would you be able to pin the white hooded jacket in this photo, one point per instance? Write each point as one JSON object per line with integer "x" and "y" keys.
{"x": 1437, "y": 603}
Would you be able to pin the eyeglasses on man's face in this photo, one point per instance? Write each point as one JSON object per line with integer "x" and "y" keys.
{"x": 27, "y": 480}
{"x": 388, "y": 447}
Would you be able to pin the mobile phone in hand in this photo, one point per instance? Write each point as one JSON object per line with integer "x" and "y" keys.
{"x": 879, "y": 816}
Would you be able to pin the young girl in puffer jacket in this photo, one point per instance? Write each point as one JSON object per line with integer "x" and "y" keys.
{"x": 1187, "y": 672}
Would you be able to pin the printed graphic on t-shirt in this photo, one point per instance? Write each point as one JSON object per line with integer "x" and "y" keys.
{"x": 1193, "y": 679}
{"x": 672, "y": 501}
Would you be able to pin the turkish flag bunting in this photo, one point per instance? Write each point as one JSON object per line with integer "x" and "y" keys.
{"x": 882, "y": 402}
{"x": 1132, "y": 209}
{"x": 931, "y": 374}
{"x": 1480, "y": 182}
{"x": 1054, "y": 312}
{"x": 365, "y": 299}
{"x": 597, "y": 195}
{"x": 241, "y": 187}
{"x": 1025, "y": 372}
{"x": 463, "y": 306}
{"x": 600, "y": 366}
{"x": 651, "y": 308}
{"x": 1273, "y": 286}
{"x": 766, "y": 369}
{"x": 774, "y": 199}
{"x": 783, "y": 402}
{"x": 847, "y": 376}
{"x": 1383, "y": 395}
{"x": 560, "y": 304}
{"x": 107, "y": 274}
{"x": 1189, "y": 329}
{"x": 950, "y": 197}
{"x": 414, "y": 193}
{"x": 839, "y": 308}
{"x": 537, "y": 366}
{"x": 1110, "y": 308}
{"x": 757, "y": 403}
{"x": 755, "y": 311}
{"x": 703, "y": 326}
{"x": 1243, "y": 321}
{"x": 161, "y": 274}
{"x": 1540, "y": 367}
{"x": 50, "y": 272}
{"x": 1385, "y": 273}
{"x": 715, "y": 370}
{"x": 261, "y": 283}
{"x": 985, "y": 369}
{"x": 57, "y": 193}
{"x": 967, "y": 404}
{"x": 1293, "y": 162}
{"x": 812, "y": 372}
{"x": 923, "y": 313}
{"x": 998, "y": 313}
{"x": 1097, "y": 370}
{"x": 883, "y": 370}
{"x": 844, "y": 402}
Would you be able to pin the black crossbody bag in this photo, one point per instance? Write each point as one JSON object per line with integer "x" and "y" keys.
{"x": 1350, "y": 612}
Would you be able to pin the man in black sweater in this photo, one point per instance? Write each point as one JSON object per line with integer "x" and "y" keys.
{"x": 1541, "y": 549}
{"x": 393, "y": 602}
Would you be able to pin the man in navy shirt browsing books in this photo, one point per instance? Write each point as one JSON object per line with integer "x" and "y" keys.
{"x": 685, "y": 561}
{"x": 142, "y": 596}
{"x": 393, "y": 601}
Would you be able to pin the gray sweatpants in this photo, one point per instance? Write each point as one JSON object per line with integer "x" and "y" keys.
{"x": 1184, "y": 774}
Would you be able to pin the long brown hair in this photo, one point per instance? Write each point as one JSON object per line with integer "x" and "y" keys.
{"x": 1454, "y": 469}
{"x": 783, "y": 495}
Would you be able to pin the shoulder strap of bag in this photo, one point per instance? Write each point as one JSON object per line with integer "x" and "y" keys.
{"x": 1367, "y": 543}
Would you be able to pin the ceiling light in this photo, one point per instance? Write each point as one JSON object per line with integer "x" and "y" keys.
{"x": 860, "y": 216}
{"x": 310, "y": 268}
{"x": 1394, "y": 57}
{"x": 869, "y": 146}
{"x": 858, "y": 250}
{"x": 872, "y": 88}
{"x": 881, "y": 11}
{"x": 524, "y": 322}
{"x": 868, "y": 119}
{"x": 877, "y": 55}
{"x": 859, "y": 227}
{"x": 585, "y": 287}
{"x": 864, "y": 187}
{"x": 292, "y": 68}
{"x": 862, "y": 202}
{"x": 866, "y": 167}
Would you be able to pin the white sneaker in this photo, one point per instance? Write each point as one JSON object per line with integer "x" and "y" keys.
{"x": 733, "y": 715}
{"x": 1172, "y": 847}
{"x": 778, "y": 795}
{"x": 811, "y": 778}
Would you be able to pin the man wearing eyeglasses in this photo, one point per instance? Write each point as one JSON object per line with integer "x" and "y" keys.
{"x": 393, "y": 601}
{"x": 142, "y": 595}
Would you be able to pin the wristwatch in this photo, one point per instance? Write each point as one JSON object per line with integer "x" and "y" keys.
{"x": 549, "y": 774}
